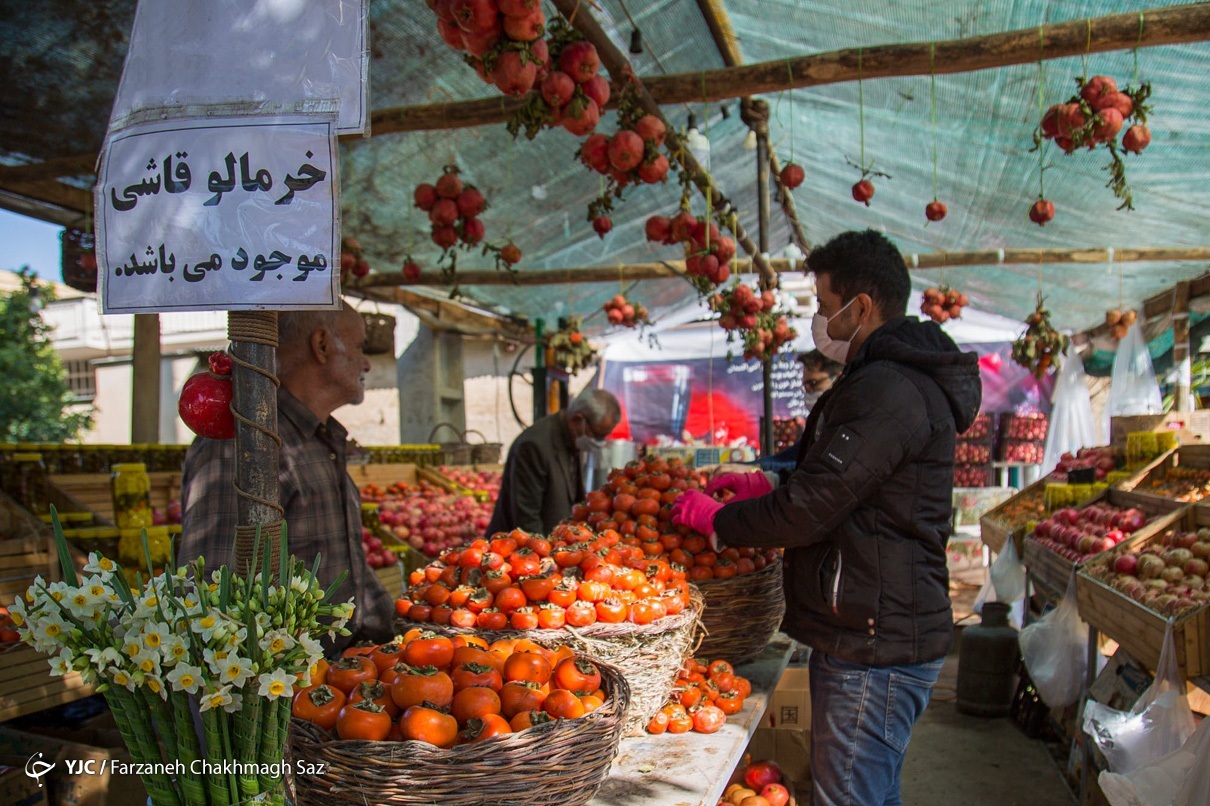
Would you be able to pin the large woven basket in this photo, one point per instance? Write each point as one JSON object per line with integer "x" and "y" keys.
{"x": 452, "y": 453}
{"x": 742, "y": 613}
{"x": 483, "y": 453}
{"x": 380, "y": 333}
{"x": 648, "y": 655}
{"x": 561, "y": 763}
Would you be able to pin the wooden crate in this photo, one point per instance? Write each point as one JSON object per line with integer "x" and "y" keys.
{"x": 384, "y": 475}
{"x": 1186, "y": 456}
{"x": 994, "y": 526}
{"x": 1137, "y": 628}
{"x": 21, "y": 561}
{"x": 26, "y": 684}
{"x": 91, "y": 492}
{"x": 1191, "y": 427}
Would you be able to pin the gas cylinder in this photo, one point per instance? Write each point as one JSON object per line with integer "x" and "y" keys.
{"x": 987, "y": 662}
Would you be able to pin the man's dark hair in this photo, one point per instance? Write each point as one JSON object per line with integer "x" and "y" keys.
{"x": 819, "y": 362}
{"x": 864, "y": 262}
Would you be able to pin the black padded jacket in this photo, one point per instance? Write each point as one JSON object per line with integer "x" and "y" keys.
{"x": 865, "y": 516}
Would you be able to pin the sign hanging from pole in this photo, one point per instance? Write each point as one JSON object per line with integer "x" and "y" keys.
{"x": 234, "y": 213}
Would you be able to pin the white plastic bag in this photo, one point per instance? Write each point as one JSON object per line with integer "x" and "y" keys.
{"x": 1055, "y": 651}
{"x": 1071, "y": 423}
{"x": 1134, "y": 389}
{"x": 1008, "y": 574}
{"x": 1158, "y": 724}
{"x": 1181, "y": 778}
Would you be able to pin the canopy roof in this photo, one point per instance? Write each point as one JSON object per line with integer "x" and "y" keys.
{"x": 62, "y": 61}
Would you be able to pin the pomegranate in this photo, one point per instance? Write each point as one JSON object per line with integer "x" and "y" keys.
{"x": 580, "y": 61}
{"x": 470, "y": 202}
{"x": 445, "y": 237}
{"x": 347, "y": 261}
{"x": 649, "y": 127}
{"x": 585, "y": 120}
{"x": 361, "y": 268}
{"x": 654, "y": 171}
{"x": 442, "y": 8}
{"x": 1071, "y": 119}
{"x": 1041, "y": 212}
{"x": 424, "y": 196}
{"x": 935, "y": 210}
{"x": 479, "y": 43}
{"x": 451, "y": 34}
{"x": 557, "y": 89}
{"x": 444, "y": 213}
{"x": 513, "y": 77}
{"x": 541, "y": 51}
{"x": 411, "y": 271}
{"x": 525, "y": 29}
{"x": 682, "y": 226}
{"x": 762, "y": 773}
{"x": 595, "y": 153}
{"x": 597, "y": 88}
{"x": 863, "y": 191}
{"x": 1116, "y": 100}
{"x": 776, "y": 794}
{"x": 792, "y": 175}
{"x": 510, "y": 254}
{"x": 625, "y": 150}
{"x": 1096, "y": 89}
{"x": 449, "y": 185}
{"x": 657, "y": 228}
{"x": 1107, "y": 124}
{"x": 1050, "y": 122}
{"x": 474, "y": 16}
{"x": 518, "y": 8}
{"x": 1136, "y": 138}
{"x": 472, "y": 231}
{"x": 601, "y": 225}
{"x": 724, "y": 248}
{"x": 205, "y": 402}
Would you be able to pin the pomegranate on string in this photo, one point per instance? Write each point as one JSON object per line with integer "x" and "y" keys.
{"x": 1041, "y": 346}
{"x": 942, "y": 304}
{"x": 708, "y": 252}
{"x": 352, "y": 261}
{"x": 1119, "y": 321}
{"x": 753, "y": 317}
{"x": 623, "y": 312}
{"x": 205, "y": 401}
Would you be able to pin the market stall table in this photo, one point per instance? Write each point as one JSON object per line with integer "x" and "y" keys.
{"x": 692, "y": 769}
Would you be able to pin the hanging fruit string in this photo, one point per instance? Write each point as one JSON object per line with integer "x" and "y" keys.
{"x": 1087, "y": 48}
{"x": 933, "y": 118}
{"x": 861, "y": 111}
{"x": 1041, "y": 111}
{"x": 710, "y": 177}
{"x": 1137, "y": 45}
{"x": 790, "y": 71}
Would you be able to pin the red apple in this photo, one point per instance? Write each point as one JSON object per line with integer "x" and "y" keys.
{"x": 1125, "y": 563}
{"x": 776, "y": 794}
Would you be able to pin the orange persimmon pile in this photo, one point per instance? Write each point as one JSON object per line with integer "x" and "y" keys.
{"x": 447, "y": 691}
{"x": 704, "y": 695}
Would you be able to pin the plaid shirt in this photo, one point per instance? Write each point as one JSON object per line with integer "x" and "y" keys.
{"x": 322, "y": 504}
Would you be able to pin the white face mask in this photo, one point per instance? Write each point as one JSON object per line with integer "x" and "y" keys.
{"x": 833, "y": 348}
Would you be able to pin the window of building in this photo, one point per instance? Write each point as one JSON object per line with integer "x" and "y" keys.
{"x": 81, "y": 379}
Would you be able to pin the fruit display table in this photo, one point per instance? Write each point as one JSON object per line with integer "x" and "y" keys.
{"x": 692, "y": 769}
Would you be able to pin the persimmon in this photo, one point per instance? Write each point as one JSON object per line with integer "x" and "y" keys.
{"x": 430, "y": 649}
{"x": 563, "y": 704}
{"x": 516, "y": 697}
{"x": 527, "y": 667}
{"x": 427, "y": 684}
{"x": 423, "y": 724}
{"x": 474, "y": 702}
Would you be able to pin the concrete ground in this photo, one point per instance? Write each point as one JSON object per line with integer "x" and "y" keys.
{"x": 959, "y": 760}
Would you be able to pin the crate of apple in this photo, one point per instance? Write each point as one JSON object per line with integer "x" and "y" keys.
{"x": 480, "y": 481}
{"x": 378, "y": 555}
{"x": 1030, "y": 427}
{"x": 1078, "y": 534}
{"x": 432, "y": 520}
{"x": 1102, "y": 460}
{"x": 1166, "y": 574}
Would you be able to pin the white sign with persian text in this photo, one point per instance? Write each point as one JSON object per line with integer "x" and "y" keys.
{"x": 235, "y": 213}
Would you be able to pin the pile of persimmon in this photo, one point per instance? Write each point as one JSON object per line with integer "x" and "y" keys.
{"x": 636, "y": 501}
{"x": 447, "y": 691}
{"x": 704, "y": 695}
{"x": 528, "y": 582}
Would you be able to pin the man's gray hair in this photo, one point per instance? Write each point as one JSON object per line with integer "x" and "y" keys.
{"x": 294, "y": 329}
{"x": 597, "y": 406}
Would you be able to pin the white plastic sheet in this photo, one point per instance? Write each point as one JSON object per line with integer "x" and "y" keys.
{"x": 1134, "y": 389}
{"x": 1071, "y": 422}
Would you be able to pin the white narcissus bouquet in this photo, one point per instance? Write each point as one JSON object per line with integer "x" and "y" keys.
{"x": 236, "y": 647}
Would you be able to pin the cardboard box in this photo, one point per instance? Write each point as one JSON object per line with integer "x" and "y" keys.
{"x": 791, "y": 749}
{"x": 1191, "y": 427}
{"x": 790, "y": 705}
{"x": 100, "y": 788}
{"x": 17, "y": 788}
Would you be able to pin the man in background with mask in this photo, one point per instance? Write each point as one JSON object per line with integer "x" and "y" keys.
{"x": 864, "y": 518}
{"x": 543, "y": 475}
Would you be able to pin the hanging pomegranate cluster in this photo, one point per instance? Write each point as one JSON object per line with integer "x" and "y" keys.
{"x": 502, "y": 39}
{"x": 352, "y": 261}
{"x": 708, "y": 253}
{"x": 942, "y": 304}
{"x": 753, "y": 316}
{"x": 1041, "y": 346}
{"x": 622, "y": 311}
{"x": 453, "y": 209}
{"x": 571, "y": 350}
{"x": 1093, "y": 117}
{"x": 1119, "y": 322}
{"x": 631, "y": 155}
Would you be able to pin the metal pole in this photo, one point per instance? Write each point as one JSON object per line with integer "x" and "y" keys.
{"x": 756, "y": 115}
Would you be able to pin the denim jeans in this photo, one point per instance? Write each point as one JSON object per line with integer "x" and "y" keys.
{"x": 861, "y": 721}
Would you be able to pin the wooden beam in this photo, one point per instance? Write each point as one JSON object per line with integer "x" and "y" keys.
{"x": 621, "y": 71}
{"x": 75, "y": 165}
{"x": 49, "y": 191}
{"x": 444, "y": 314}
{"x": 1176, "y": 25}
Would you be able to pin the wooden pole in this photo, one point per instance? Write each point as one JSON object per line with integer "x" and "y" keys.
{"x": 757, "y": 116}
{"x": 1176, "y": 25}
{"x": 672, "y": 269}
{"x": 145, "y": 383}
{"x": 619, "y": 68}
{"x": 1180, "y": 348}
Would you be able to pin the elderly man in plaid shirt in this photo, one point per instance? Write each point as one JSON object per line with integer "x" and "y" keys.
{"x": 321, "y": 367}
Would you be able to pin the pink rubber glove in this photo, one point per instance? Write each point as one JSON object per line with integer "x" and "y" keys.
{"x": 696, "y": 510}
{"x": 744, "y": 485}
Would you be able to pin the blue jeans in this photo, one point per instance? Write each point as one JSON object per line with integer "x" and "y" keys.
{"x": 861, "y": 721}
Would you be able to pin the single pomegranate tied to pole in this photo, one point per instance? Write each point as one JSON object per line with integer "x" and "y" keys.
{"x": 205, "y": 402}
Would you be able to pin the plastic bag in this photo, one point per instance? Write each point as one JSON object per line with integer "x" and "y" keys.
{"x": 1134, "y": 389}
{"x": 1158, "y": 724}
{"x": 1071, "y": 423}
{"x": 1055, "y": 650}
{"x": 1008, "y": 574}
{"x": 1177, "y": 779}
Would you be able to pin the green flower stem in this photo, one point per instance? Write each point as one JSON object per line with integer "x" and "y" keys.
{"x": 224, "y": 723}
{"x": 247, "y": 727}
{"x": 216, "y": 784}
{"x": 161, "y": 717}
{"x": 139, "y": 736}
{"x": 187, "y": 745}
{"x": 270, "y": 743}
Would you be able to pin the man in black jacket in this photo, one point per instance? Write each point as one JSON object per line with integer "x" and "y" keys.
{"x": 864, "y": 518}
{"x": 542, "y": 475}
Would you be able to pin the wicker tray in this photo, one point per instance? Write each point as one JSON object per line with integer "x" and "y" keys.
{"x": 561, "y": 763}
{"x": 649, "y": 655}
{"x": 742, "y": 614}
